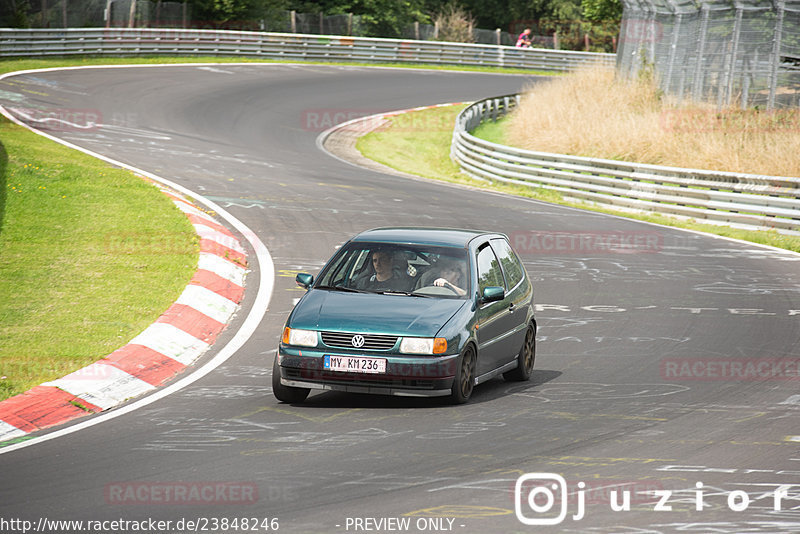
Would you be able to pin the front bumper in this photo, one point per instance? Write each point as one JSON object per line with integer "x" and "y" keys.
{"x": 407, "y": 376}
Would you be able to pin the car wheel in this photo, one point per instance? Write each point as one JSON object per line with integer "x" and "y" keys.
{"x": 525, "y": 358}
{"x": 464, "y": 381}
{"x": 286, "y": 393}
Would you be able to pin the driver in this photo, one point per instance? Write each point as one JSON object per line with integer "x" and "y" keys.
{"x": 386, "y": 276}
{"x": 452, "y": 276}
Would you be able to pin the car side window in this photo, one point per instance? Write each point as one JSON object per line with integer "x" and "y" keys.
{"x": 509, "y": 261}
{"x": 489, "y": 272}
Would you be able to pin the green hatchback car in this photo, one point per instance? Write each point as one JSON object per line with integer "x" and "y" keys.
{"x": 418, "y": 312}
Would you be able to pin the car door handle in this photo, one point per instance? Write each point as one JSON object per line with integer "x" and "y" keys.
{"x": 511, "y": 308}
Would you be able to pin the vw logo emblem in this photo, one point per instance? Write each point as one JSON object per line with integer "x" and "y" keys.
{"x": 357, "y": 341}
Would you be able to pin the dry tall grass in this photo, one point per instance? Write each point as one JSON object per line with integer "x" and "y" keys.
{"x": 591, "y": 113}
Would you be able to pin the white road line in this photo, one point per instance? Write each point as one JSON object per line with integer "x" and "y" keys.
{"x": 794, "y": 399}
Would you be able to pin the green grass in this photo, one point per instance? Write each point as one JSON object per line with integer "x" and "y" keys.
{"x": 493, "y": 131}
{"x": 425, "y": 151}
{"x": 90, "y": 255}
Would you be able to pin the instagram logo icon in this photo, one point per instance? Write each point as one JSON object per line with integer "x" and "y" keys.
{"x": 541, "y": 499}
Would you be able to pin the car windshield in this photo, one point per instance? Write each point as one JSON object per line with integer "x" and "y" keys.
{"x": 418, "y": 270}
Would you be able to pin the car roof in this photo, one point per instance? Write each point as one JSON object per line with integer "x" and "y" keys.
{"x": 453, "y": 237}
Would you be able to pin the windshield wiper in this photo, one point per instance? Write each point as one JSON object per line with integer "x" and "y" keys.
{"x": 405, "y": 293}
{"x": 342, "y": 288}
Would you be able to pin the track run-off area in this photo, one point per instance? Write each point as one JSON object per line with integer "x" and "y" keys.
{"x": 667, "y": 372}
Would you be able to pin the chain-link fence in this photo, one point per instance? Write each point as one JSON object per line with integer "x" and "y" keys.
{"x": 430, "y": 32}
{"x": 726, "y": 52}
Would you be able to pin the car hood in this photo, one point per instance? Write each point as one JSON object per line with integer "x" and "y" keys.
{"x": 373, "y": 313}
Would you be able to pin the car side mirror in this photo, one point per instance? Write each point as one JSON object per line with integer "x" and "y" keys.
{"x": 304, "y": 280}
{"x": 493, "y": 294}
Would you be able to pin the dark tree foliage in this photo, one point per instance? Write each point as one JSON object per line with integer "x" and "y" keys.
{"x": 380, "y": 18}
{"x": 602, "y": 10}
{"x": 235, "y": 14}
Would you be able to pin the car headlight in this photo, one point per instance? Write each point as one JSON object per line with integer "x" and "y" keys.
{"x": 301, "y": 338}
{"x": 423, "y": 345}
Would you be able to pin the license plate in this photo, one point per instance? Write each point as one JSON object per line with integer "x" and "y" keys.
{"x": 353, "y": 364}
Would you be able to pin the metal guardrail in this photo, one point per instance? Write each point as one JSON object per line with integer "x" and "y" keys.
{"x": 283, "y": 46}
{"x": 738, "y": 200}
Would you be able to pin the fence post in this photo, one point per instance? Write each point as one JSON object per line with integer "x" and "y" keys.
{"x": 64, "y": 13}
{"x": 673, "y": 50}
{"x": 416, "y": 30}
{"x": 349, "y": 24}
{"x": 731, "y": 70}
{"x": 132, "y": 15}
{"x": 746, "y": 75}
{"x": 293, "y": 21}
{"x": 697, "y": 92}
{"x": 497, "y": 35}
{"x": 775, "y": 59}
{"x": 321, "y": 23}
{"x": 651, "y": 33}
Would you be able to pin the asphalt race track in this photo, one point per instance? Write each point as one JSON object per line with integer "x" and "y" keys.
{"x": 666, "y": 370}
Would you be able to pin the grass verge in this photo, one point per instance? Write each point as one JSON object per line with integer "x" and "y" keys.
{"x": 418, "y": 143}
{"x": 90, "y": 255}
{"x": 425, "y": 151}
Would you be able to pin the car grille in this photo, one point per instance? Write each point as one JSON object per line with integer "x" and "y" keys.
{"x": 350, "y": 379}
{"x": 344, "y": 340}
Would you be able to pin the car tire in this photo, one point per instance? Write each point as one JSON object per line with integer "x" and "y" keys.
{"x": 525, "y": 358}
{"x": 464, "y": 381}
{"x": 283, "y": 393}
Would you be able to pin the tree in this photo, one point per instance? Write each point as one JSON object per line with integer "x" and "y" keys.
{"x": 380, "y": 18}
{"x": 602, "y": 10}
{"x": 235, "y": 14}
